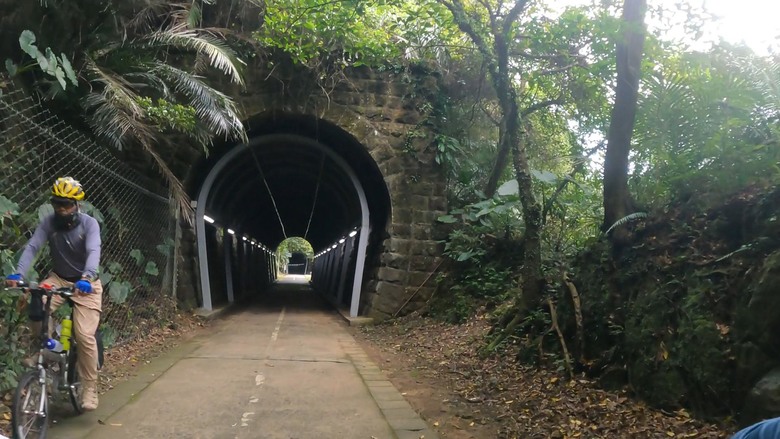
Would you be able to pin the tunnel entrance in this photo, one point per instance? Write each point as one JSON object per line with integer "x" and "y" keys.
{"x": 297, "y": 176}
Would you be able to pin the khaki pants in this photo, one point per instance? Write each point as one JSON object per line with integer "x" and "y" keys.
{"x": 86, "y": 317}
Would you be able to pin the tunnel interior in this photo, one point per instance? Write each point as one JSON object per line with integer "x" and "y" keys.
{"x": 284, "y": 183}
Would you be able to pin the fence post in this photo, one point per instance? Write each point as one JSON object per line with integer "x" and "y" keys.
{"x": 176, "y": 249}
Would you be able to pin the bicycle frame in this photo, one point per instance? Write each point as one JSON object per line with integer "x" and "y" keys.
{"x": 47, "y": 358}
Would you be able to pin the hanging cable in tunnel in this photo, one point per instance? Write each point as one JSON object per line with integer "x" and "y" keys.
{"x": 316, "y": 194}
{"x": 268, "y": 188}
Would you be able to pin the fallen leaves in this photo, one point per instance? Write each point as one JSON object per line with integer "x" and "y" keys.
{"x": 513, "y": 400}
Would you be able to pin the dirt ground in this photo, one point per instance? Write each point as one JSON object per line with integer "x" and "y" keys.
{"x": 436, "y": 366}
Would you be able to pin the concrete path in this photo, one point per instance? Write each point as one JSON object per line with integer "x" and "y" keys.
{"x": 284, "y": 367}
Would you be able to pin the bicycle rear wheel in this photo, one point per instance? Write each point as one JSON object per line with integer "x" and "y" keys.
{"x": 74, "y": 381}
{"x": 30, "y": 417}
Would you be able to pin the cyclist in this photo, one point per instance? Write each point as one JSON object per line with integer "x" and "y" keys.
{"x": 74, "y": 244}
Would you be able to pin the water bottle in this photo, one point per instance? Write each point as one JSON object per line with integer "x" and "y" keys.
{"x": 65, "y": 330}
{"x": 54, "y": 345}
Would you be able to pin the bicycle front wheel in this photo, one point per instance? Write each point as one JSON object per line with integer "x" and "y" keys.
{"x": 74, "y": 381}
{"x": 30, "y": 417}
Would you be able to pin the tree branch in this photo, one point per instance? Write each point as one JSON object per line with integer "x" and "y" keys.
{"x": 490, "y": 116}
{"x": 516, "y": 10}
{"x": 464, "y": 24}
{"x": 540, "y": 105}
{"x": 526, "y": 55}
{"x": 559, "y": 69}
{"x": 487, "y": 7}
{"x": 566, "y": 356}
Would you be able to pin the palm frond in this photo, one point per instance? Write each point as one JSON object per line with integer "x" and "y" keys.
{"x": 150, "y": 80}
{"x": 114, "y": 113}
{"x": 765, "y": 77}
{"x": 178, "y": 193}
{"x": 145, "y": 19}
{"x": 104, "y": 50}
{"x": 219, "y": 55}
{"x": 626, "y": 219}
{"x": 201, "y": 63}
{"x": 213, "y": 107}
{"x": 110, "y": 123}
{"x": 116, "y": 89}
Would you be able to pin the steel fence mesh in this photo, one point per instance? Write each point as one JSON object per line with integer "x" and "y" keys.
{"x": 137, "y": 221}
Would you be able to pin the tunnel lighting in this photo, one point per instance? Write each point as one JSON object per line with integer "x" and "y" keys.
{"x": 341, "y": 241}
{"x": 231, "y": 231}
{"x": 208, "y": 219}
{"x": 352, "y": 233}
{"x": 334, "y": 246}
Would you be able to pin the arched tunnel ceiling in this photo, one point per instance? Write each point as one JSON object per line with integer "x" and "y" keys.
{"x": 293, "y": 169}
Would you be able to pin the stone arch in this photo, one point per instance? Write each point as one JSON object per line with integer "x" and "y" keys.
{"x": 294, "y": 147}
{"x": 388, "y": 122}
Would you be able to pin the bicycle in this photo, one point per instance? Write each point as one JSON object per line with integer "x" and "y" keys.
{"x": 55, "y": 370}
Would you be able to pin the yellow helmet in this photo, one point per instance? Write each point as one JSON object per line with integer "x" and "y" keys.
{"x": 67, "y": 187}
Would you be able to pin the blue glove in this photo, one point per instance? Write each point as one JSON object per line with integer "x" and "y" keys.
{"x": 14, "y": 277}
{"x": 84, "y": 286}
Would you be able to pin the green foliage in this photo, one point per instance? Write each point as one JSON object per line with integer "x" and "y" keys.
{"x": 348, "y": 33}
{"x": 353, "y": 33}
{"x": 12, "y": 316}
{"x": 292, "y": 245}
{"x": 12, "y": 348}
{"x": 119, "y": 291}
{"x": 166, "y": 248}
{"x": 151, "y": 268}
{"x": 497, "y": 213}
{"x": 455, "y": 307}
{"x": 115, "y": 276}
{"x": 486, "y": 252}
{"x": 477, "y": 283}
{"x": 706, "y": 126}
{"x": 57, "y": 67}
{"x": 111, "y": 277}
{"x": 176, "y": 117}
{"x": 127, "y": 52}
{"x": 448, "y": 150}
{"x": 109, "y": 334}
{"x": 463, "y": 246}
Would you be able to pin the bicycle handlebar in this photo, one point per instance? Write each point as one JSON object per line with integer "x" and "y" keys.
{"x": 43, "y": 288}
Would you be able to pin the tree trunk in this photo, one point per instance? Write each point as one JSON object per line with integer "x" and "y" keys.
{"x": 532, "y": 217}
{"x": 617, "y": 199}
{"x": 502, "y": 158}
{"x": 511, "y": 139}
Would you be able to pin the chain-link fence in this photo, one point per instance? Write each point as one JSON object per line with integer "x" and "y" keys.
{"x": 137, "y": 222}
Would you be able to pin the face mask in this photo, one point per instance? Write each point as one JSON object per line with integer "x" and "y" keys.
{"x": 66, "y": 222}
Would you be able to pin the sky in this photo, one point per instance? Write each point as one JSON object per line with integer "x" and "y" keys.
{"x": 754, "y": 22}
